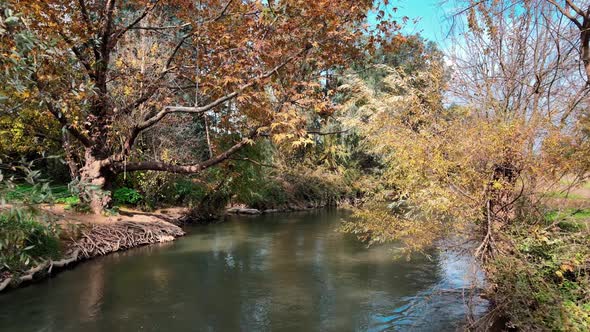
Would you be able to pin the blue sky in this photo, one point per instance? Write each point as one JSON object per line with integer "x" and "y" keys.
{"x": 432, "y": 14}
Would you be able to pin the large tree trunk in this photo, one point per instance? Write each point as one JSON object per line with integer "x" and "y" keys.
{"x": 95, "y": 181}
{"x": 70, "y": 156}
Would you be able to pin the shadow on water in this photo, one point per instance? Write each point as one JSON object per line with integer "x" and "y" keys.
{"x": 284, "y": 272}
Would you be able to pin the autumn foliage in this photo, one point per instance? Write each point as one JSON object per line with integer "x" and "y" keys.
{"x": 107, "y": 71}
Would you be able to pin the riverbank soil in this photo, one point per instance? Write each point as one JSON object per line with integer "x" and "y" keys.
{"x": 84, "y": 236}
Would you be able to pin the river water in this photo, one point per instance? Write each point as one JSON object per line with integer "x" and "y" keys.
{"x": 279, "y": 272}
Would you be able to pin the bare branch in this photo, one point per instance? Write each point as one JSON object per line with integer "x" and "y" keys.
{"x": 566, "y": 13}
{"x": 222, "y": 13}
{"x": 167, "y": 27}
{"x": 575, "y": 8}
{"x": 202, "y": 109}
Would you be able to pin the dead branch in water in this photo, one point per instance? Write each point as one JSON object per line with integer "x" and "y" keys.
{"x": 44, "y": 267}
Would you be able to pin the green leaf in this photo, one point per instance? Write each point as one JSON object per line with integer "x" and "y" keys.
{"x": 11, "y": 21}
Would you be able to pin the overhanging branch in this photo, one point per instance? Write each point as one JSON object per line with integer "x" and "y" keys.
{"x": 149, "y": 122}
{"x": 118, "y": 34}
{"x": 119, "y": 167}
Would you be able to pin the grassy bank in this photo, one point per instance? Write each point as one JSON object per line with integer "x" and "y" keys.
{"x": 542, "y": 283}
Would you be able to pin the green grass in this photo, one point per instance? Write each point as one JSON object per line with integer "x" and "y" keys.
{"x": 23, "y": 191}
{"x": 561, "y": 194}
{"x": 571, "y": 214}
{"x": 69, "y": 200}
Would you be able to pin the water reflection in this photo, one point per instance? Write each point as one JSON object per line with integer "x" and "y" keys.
{"x": 279, "y": 272}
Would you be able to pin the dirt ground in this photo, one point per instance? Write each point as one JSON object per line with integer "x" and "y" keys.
{"x": 125, "y": 214}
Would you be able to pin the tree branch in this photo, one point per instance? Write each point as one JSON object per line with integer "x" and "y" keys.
{"x": 67, "y": 125}
{"x": 147, "y": 123}
{"x": 59, "y": 116}
{"x": 566, "y": 13}
{"x": 167, "y": 27}
{"x": 118, "y": 34}
{"x": 184, "y": 169}
{"x": 84, "y": 12}
{"x": 575, "y": 8}
{"x": 222, "y": 13}
{"x": 317, "y": 132}
{"x": 255, "y": 162}
{"x": 167, "y": 68}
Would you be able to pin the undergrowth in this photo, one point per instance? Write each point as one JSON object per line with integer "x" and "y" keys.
{"x": 543, "y": 283}
{"x": 25, "y": 241}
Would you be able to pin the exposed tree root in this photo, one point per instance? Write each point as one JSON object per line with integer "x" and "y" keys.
{"x": 101, "y": 239}
{"x": 45, "y": 268}
{"x": 5, "y": 283}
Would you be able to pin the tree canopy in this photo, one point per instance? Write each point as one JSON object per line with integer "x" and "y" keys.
{"x": 109, "y": 70}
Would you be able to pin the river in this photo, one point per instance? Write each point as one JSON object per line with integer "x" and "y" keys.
{"x": 279, "y": 272}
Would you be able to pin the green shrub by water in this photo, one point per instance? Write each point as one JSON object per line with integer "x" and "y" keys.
{"x": 24, "y": 241}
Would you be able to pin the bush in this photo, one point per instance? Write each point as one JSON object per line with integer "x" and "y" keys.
{"x": 127, "y": 196}
{"x": 318, "y": 186}
{"x": 160, "y": 188}
{"x": 186, "y": 192}
{"x": 543, "y": 284}
{"x": 25, "y": 241}
{"x": 268, "y": 195}
{"x": 211, "y": 206}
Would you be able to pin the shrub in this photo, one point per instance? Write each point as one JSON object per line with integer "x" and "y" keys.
{"x": 267, "y": 195}
{"x": 127, "y": 196}
{"x": 186, "y": 192}
{"x": 543, "y": 283}
{"x": 25, "y": 241}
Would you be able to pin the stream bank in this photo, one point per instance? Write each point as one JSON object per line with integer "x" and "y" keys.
{"x": 89, "y": 236}
{"x": 285, "y": 272}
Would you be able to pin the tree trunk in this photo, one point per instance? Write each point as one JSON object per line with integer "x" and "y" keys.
{"x": 585, "y": 48}
{"x": 95, "y": 183}
{"x": 70, "y": 156}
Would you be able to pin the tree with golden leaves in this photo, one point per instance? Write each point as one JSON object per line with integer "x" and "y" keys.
{"x": 108, "y": 70}
{"x": 513, "y": 129}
